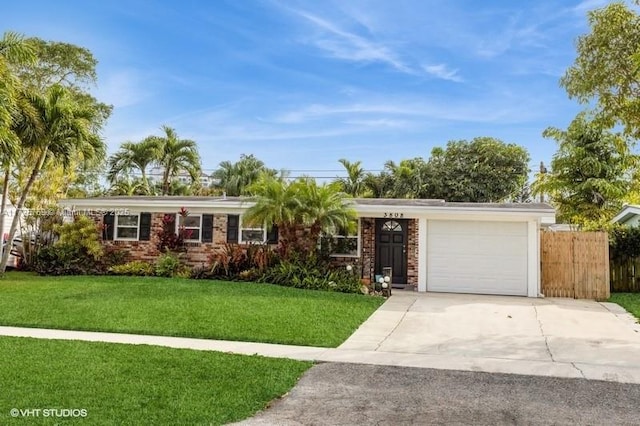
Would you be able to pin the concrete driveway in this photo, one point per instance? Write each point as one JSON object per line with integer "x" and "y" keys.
{"x": 553, "y": 336}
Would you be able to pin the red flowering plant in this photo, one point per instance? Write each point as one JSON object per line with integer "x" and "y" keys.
{"x": 168, "y": 238}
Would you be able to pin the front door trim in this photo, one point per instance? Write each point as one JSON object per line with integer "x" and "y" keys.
{"x": 392, "y": 239}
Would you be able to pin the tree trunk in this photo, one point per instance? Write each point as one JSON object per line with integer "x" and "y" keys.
{"x": 165, "y": 182}
{"x": 20, "y": 206}
{"x": 3, "y": 206}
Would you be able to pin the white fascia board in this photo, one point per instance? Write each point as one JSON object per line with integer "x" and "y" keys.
{"x": 160, "y": 205}
{"x": 412, "y": 212}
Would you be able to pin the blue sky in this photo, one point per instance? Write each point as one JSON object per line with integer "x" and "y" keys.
{"x": 301, "y": 84}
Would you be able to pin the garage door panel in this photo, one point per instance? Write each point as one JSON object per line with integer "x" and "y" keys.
{"x": 477, "y": 257}
{"x": 479, "y": 246}
{"x": 448, "y": 228}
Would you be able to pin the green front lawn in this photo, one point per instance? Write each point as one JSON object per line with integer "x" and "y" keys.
{"x": 629, "y": 301}
{"x": 183, "y": 307}
{"x": 134, "y": 385}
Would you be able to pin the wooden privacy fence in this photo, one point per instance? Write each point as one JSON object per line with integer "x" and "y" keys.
{"x": 575, "y": 264}
{"x": 625, "y": 274}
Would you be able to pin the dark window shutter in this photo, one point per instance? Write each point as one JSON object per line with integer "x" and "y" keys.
{"x": 108, "y": 222}
{"x": 272, "y": 235}
{"x": 233, "y": 227}
{"x": 145, "y": 227}
{"x": 207, "y": 228}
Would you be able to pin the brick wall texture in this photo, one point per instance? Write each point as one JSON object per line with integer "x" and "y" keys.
{"x": 197, "y": 254}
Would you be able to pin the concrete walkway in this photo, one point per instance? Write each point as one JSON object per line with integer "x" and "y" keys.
{"x": 542, "y": 337}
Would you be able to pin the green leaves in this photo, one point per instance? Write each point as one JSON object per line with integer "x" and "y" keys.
{"x": 481, "y": 170}
{"x": 235, "y": 179}
{"x": 607, "y": 68}
{"x": 301, "y": 209}
{"x": 589, "y": 173}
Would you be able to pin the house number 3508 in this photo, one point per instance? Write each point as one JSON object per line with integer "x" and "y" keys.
{"x": 394, "y": 215}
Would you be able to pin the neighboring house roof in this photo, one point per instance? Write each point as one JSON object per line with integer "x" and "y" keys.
{"x": 384, "y": 207}
{"x": 628, "y": 213}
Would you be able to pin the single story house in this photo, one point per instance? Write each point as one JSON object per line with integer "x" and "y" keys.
{"x": 484, "y": 248}
{"x": 629, "y": 215}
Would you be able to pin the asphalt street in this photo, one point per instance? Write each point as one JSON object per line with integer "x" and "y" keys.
{"x": 353, "y": 394}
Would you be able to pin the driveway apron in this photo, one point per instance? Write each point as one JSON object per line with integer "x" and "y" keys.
{"x": 584, "y": 335}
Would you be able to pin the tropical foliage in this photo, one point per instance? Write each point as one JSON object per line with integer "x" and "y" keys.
{"x": 480, "y": 170}
{"x": 354, "y": 183}
{"x": 590, "y": 173}
{"x": 235, "y": 179}
{"x": 605, "y": 71}
{"x": 54, "y": 122}
{"x": 301, "y": 209}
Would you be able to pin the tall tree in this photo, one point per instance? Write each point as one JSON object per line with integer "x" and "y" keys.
{"x": 607, "y": 68}
{"x": 590, "y": 172}
{"x": 354, "y": 183}
{"x": 175, "y": 155}
{"x": 14, "y": 111}
{"x": 235, "y": 179}
{"x": 70, "y": 66}
{"x": 481, "y": 170}
{"x": 133, "y": 157}
{"x": 407, "y": 178}
{"x": 67, "y": 132}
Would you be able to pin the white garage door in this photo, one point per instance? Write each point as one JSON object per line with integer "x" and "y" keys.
{"x": 477, "y": 257}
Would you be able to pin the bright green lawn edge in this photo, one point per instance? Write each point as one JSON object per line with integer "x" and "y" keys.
{"x": 182, "y": 307}
{"x": 629, "y": 301}
{"x": 121, "y": 384}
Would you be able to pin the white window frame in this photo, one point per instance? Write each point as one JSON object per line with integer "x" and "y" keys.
{"x": 117, "y": 226}
{"x": 190, "y": 240}
{"x": 242, "y": 228}
{"x": 359, "y": 242}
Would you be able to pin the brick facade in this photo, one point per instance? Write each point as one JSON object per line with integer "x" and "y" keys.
{"x": 197, "y": 253}
{"x": 367, "y": 260}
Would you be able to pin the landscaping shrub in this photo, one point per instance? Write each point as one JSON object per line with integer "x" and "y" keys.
{"x": 169, "y": 265}
{"x": 64, "y": 260}
{"x": 77, "y": 250}
{"x": 624, "y": 242}
{"x": 168, "y": 238}
{"x": 135, "y": 268}
{"x": 83, "y": 234}
{"x": 312, "y": 274}
{"x": 113, "y": 257}
{"x": 200, "y": 273}
{"x": 246, "y": 263}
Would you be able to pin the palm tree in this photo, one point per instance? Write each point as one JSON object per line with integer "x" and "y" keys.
{"x": 133, "y": 156}
{"x": 353, "y": 184}
{"x": 66, "y": 134}
{"x": 14, "y": 50}
{"x": 407, "y": 179}
{"x": 128, "y": 187}
{"x": 322, "y": 209}
{"x": 174, "y": 156}
{"x": 236, "y": 178}
{"x": 15, "y": 113}
{"x": 301, "y": 210}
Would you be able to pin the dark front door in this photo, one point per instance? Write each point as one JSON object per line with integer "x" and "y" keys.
{"x": 391, "y": 248}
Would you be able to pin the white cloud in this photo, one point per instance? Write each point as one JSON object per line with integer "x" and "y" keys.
{"x": 349, "y": 46}
{"x": 443, "y": 72}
